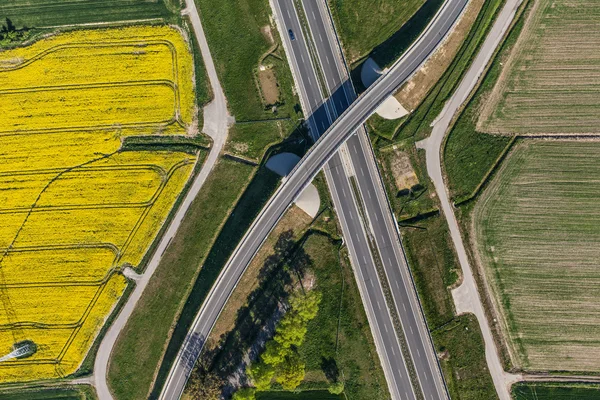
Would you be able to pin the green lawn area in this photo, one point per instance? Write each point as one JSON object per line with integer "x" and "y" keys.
{"x": 365, "y": 24}
{"x": 339, "y": 342}
{"x": 305, "y": 395}
{"x": 555, "y": 391}
{"x": 135, "y": 360}
{"x": 45, "y": 13}
{"x": 250, "y": 140}
{"x": 233, "y": 31}
{"x": 81, "y": 392}
{"x": 463, "y": 359}
{"x": 434, "y": 267}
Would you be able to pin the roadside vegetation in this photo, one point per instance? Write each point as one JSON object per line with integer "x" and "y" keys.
{"x": 134, "y": 362}
{"x": 363, "y": 25}
{"x": 470, "y": 156}
{"x": 254, "y": 73}
{"x": 555, "y": 391}
{"x": 426, "y": 239}
{"x": 298, "y": 313}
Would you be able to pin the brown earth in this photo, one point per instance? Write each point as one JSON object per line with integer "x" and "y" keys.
{"x": 269, "y": 86}
{"x": 413, "y": 92}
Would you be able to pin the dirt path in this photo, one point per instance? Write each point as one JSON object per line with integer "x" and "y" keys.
{"x": 216, "y": 119}
{"x": 466, "y": 297}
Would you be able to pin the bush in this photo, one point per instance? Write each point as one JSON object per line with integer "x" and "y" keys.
{"x": 336, "y": 388}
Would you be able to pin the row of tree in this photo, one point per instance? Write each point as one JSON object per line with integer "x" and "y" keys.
{"x": 281, "y": 361}
{"x": 9, "y": 34}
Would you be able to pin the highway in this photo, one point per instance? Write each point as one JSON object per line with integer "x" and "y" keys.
{"x": 315, "y": 159}
{"x": 345, "y": 204}
{"x": 377, "y": 208}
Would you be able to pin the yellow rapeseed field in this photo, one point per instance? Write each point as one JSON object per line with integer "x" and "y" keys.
{"x": 76, "y": 208}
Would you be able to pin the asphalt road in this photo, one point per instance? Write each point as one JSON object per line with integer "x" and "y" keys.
{"x": 353, "y": 229}
{"x": 304, "y": 172}
{"x": 383, "y": 227}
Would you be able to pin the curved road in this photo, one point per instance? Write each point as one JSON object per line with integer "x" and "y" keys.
{"x": 323, "y": 150}
{"x": 466, "y": 296}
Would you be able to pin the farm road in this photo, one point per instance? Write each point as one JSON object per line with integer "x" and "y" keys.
{"x": 466, "y": 296}
{"x": 216, "y": 119}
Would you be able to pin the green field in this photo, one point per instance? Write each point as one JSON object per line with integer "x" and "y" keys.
{"x": 45, "y": 13}
{"x": 134, "y": 361}
{"x": 551, "y": 81}
{"x": 341, "y": 322}
{"x": 250, "y": 140}
{"x": 237, "y": 44}
{"x": 463, "y": 359}
{"x": 81, "y": 392}
{"x": 365, "y": 24}
{"x": 537, "y": 226}
{"x": 555, "y": 391}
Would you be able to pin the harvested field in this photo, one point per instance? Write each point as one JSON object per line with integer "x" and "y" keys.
{"x": 537, "y": 229}
{"x": 75, "y": 208}
{"x": 402, "y": 170}
{"x": 551, "y": 82}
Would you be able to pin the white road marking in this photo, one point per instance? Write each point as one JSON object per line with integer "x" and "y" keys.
{"x": 327, "y": 59}
{"x": 362, "y": 172}
{"x": 369, "y": 193}
{"x": 288, "y": 11}
{"x": 411, "y": 331}
{"x": 344, "y": 192}
{"x": 302, "y": 57}
{"x": 397, "y": 285}
{"x": 418, "y": 353}
{"x": 403, "y": 306}
{"x": 376, "y": 219}
{"x": 393, "y": 352}
{"x": 378, "y": 305}
{"x": 320, "y": 38}
{"x": 385, "y": 326}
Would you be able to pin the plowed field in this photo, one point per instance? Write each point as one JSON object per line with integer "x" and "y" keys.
{"x": 551, "y": 82}
{"x": 75, "y": 208}
{"x": 537, "y": 227}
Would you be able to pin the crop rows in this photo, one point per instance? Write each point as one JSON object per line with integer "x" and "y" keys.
{"x": 551, "y": 82}
{"x": 75, "y": 209}
{"x": 537, "y": 227}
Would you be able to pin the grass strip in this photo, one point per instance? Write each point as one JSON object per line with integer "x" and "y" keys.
{"x": 555, "y": 391}
{"x": 141, "y": 345}
{"x": 79, "y": 392}
{"x": 462, "y": 351}
{"x": 256, "y": 194}
{"x": 471, "y": 156}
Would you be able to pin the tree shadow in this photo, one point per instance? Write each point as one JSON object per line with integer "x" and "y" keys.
{"x": 330, "y": 369}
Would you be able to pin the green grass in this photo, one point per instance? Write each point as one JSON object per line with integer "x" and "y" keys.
{"x": 141, "y": 344}
{"x": 305, "y": 395}
{"x": 82, "y": 392}
{"x": 434, "y": 267}
{"x": 233, "y": 31}
{"x": 355, "y": 356}
{"x": 203, "y": 90}
{"x": 470, "y": 155}
{"x": 555, "y": 391}
{"x": 258, "y": 191}
{"x": 44, "y": 13}
{"x": 365, "y": 24}
{"x": 463, "y": 361}
{"x": 250, "y": 140}
{"x": 418, "y": 123}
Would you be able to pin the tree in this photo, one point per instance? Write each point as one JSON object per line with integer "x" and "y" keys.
{"x": 245, "y": 394}
{"x": 274, "y": 353}
{"x": 291, "y": 330}
{"x": 204, "y": 385}
{"x": 290, "y": 372}
{"x": 336, "y": 387}
{"x": 261, "y": 375}
{"x": 306, "y": 305}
